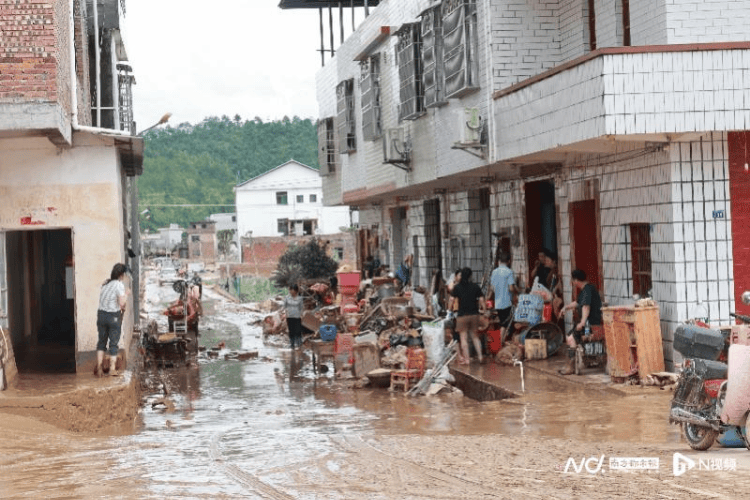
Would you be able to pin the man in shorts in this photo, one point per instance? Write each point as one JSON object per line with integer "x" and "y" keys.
{"x": 503, "y": 284}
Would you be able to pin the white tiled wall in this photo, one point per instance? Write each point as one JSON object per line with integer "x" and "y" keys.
{"x": 705, "y": 21}
{"x": 676, "y": 191}
{"x": 653, "y": 93}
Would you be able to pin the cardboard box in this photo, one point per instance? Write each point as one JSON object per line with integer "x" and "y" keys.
{"x": 536, "y": 348}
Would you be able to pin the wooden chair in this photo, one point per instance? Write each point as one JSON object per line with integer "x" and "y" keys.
{"x": 414, "y": 371}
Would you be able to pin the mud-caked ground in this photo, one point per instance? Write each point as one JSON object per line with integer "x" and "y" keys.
{"x": 271, "y": 428}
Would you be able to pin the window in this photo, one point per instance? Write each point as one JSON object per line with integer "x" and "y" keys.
{"x": 234, "y": 218}
{"x": 591, "y": 14}
{"x": 281, "y": 198}
{"x": 327, "y": 146}
{"x": 432, "y": 57}
{"x": 460, "y": 46}
{"x": 640, "y": 247}
{"x": 282, "y": 226}
{"x": 195, "y": 238}
{"x": 369, "y": 83}
{"x": 339, "y": 253}
{"x": 408, "y": 56}
{"x": 345, "y": 116}
{"x": 300, "y": 198}
{"x": 624, "y": 6}
{"x": 313, "y": 198}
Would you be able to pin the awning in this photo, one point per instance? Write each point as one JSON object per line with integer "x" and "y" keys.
{"x": 319, "y": 4}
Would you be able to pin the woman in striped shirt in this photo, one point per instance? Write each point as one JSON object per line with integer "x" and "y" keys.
{"x": 112, "y": 300}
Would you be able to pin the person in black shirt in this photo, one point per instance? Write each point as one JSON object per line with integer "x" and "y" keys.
{"x": 470, "y": 305}
{"x": 589, "y": 306}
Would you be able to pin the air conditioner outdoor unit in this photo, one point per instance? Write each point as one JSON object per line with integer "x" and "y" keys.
{"x": 395, "y": 147}
{"x": 470, "y": 126}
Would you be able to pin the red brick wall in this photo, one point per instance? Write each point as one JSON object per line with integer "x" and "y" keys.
{"x": 31, "y": 55}
{"x": 261, "y": 255}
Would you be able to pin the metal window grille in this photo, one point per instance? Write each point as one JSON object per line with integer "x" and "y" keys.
{"x": 408, "y": 55}
{"x": 640, "y": 248}
{"x": 327, "y": 146}
{"x": 460, "y": 45}
{"x": 432, "y": 57}
{"x": 125, "y": 82}
{"x": 369, "y": 83}
{"x": 345, "y": 116}
{"x": 432, "y": 252}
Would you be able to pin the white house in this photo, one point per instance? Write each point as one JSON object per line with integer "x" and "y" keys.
{"x": 170, "y": 236}
{"x": 286, "y": 200}
{"x": 613, "y": 132}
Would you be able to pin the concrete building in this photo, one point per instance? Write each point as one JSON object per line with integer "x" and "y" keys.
{"x": 202, "y": 242}
{"x": 68, "y": 161}
{"x": 227, "y": 222}
{"x": 613, "y": 132}
{"x": 290, "y": 199}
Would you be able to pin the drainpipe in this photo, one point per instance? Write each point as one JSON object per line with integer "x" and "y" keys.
{"x": 74, "y": 80}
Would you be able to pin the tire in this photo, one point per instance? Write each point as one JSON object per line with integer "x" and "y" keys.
{"x": 699, "y": 438}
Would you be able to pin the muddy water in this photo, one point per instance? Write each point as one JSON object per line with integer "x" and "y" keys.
{"x": 238, "y": 427}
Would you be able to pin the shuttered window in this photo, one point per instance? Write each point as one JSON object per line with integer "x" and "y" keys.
{"x": 460, "y": 45}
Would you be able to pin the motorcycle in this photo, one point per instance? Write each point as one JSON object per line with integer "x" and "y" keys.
{"x": 703, "y": 403}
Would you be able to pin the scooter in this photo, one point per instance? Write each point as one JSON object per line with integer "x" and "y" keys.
{"x": 705, "y": 404}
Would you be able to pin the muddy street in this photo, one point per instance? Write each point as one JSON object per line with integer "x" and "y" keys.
{"x": 270, "y": 428}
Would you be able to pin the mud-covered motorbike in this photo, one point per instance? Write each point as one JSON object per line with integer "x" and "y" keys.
{"x": 708, "y": 402}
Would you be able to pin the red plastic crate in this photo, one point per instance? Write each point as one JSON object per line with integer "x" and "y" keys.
{"x": 349, "y": 280}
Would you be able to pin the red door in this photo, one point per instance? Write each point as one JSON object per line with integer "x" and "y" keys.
{"x": 739, "y": 196}
{"x": 584, "y": 228}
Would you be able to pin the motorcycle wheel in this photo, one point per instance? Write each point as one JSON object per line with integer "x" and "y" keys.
{"x": 699, "y": 438}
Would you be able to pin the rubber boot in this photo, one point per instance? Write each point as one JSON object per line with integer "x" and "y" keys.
{"x": 570, "y": 367}
{"x": 99, "y": 360}
{"x": 113, "y": 366}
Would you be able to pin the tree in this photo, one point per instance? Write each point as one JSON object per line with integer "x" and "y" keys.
{"x": 304, "y": 262}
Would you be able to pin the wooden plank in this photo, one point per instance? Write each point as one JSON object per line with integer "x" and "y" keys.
{"x": 649, "y": 341}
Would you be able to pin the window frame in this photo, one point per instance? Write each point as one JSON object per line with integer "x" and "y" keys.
{"x": 345, "y": 114}
{"x": 409, "y": 62}
{"x": 313, "y": 198}
{"x": 282, "y": 197}
{"x": 641, "y": 266}
{"x": 300, "y": 198}
{"x": 369, "y": 86}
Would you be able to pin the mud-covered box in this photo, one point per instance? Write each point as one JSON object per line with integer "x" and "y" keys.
{"x": 696, "y": 342}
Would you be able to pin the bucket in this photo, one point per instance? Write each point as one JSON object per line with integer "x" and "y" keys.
{"x": 547, "y": 313}
{"x": 327, "y": 333}
{"x": 494, "y": 341}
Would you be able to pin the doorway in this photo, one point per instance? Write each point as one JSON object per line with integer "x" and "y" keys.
{"x": 541, "y": 218}
{"x": 41, "y": 315}
{"x": 585, "y": 241}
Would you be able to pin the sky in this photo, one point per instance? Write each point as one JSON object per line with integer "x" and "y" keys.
{"x": 197, "y": 59}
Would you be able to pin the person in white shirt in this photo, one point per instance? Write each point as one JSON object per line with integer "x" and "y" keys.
{"x": 113, "y": 298}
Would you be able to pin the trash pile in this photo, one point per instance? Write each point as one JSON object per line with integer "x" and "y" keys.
{"x": 371, "y": 331}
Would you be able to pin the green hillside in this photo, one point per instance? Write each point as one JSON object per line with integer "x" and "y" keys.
{"x": 200, "y": 164}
